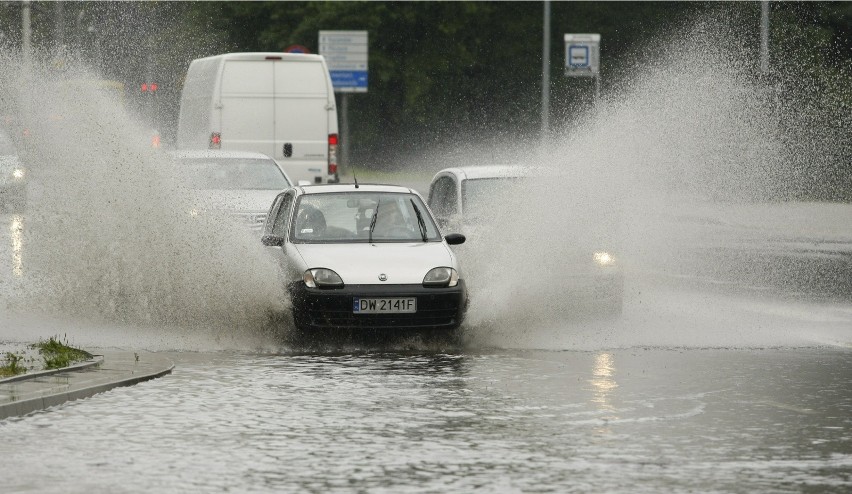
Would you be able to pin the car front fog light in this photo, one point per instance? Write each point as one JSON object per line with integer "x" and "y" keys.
{"x": 604, "y": 259}
{"x": 441, "y": 277}
{"x": 323, "y": 278}
{"x": 18, "y": 173}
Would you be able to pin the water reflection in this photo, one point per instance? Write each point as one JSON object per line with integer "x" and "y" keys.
{"x": 604, "y": 384}
{"x": 17, "y": 235}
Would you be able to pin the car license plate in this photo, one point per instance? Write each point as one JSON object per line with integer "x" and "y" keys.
{"x": 384, "y": 305}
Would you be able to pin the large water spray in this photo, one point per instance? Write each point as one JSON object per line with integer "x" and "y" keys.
{"x": 685, "y": 172}
{"x": 107, "y": 234}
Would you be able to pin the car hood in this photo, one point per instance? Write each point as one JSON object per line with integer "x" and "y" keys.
{"x": 234, "y": 200}
{"x": 362, "y": 263}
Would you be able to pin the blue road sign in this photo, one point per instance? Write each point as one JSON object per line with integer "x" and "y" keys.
{"x": 351, "y": 80}
{"x": 578, "y": 56}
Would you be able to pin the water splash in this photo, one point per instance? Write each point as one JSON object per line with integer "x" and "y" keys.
{"x": 107, "y": 233}
{"x": 684, "y": 171}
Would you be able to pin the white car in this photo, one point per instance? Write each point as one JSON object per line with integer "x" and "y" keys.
{"x": 241, "y": 183}
{"x": 476, "y": 197}
{"x": 365, "y": 257}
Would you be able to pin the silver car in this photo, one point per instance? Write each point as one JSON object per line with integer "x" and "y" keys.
{"x": 365, "y": 257}
{"x": 240, "y": 183}
{"x": 589, "y": 277}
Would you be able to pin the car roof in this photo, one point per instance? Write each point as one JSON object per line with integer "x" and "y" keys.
{"x": 262, "y": 55}
{"x": 215, "y": 153}
{"x": 219, "y": 154}
{"x": 330, "y": 188}
{"x": 489, "y": 171}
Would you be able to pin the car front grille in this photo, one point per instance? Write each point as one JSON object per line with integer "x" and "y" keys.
{"x": 254, "y": 220}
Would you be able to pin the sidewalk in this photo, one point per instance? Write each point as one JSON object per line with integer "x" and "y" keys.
{"x": 27, "y": 393}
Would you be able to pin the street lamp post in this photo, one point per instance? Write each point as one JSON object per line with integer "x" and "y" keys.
{"x": 26, "y": 32}
{"x": 764, "y": 36}
{"x": 545, "y": 73}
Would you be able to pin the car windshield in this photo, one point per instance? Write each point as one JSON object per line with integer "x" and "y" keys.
{"x": 233, "y": 174}
{"x": 343, "y": 217}
{"x": 478, "y": 195}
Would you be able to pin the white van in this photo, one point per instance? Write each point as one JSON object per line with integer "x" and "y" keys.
{"x": 278, "y": 104}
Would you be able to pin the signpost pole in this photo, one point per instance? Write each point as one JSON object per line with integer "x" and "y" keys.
{"x": 597, "y": 89}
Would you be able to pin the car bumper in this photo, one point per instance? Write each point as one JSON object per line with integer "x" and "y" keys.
{"x": 437, "y": 308}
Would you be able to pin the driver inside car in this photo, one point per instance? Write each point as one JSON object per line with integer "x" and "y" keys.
{"x": 310, "y": 222}
{"x": 390, "y": 221}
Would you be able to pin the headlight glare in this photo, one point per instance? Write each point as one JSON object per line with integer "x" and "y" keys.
{"x": 442, "y": 276}
{"x": 604, "y": 259}
{"x": 18, "y": 173}
{"x": 323, "y": 278}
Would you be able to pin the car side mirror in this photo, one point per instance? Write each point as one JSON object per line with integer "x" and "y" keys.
{"x": 455, "y": 238}
{"x": 272, "y": 240}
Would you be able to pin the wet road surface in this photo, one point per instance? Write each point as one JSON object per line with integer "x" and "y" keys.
{"x": 636, "y": 420}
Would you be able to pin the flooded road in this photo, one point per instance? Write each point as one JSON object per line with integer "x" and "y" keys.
{"x": 637, "y": 420}
{"x": 729, "y": 369}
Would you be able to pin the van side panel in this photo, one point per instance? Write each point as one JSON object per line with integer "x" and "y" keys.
{"x": 261, "y": 102}
{"x": 301, "y": 119}
{"x": 247, "y": 116}
{"x": 196, "y": 103}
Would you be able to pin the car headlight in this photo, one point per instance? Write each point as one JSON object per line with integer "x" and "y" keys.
{"x": 18, "y": 173}
{"x": 441, "y": 277}
{"x": 194, "y": 212}
{"x": 604, "y": 259}
{"x": 323, "y": 278}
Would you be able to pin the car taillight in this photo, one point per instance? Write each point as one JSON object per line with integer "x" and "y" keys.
{"x": 215, "y": 140}
{"x": 332, "y": 154}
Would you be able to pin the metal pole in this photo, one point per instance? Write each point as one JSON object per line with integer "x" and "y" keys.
{"x": 344, "y": 130}
{"x": 764, "y": 36}
{"x": 26, "y": 32}
{"x": 59, "y": 26}
{"x": 597, "y": 89}
{"x": 545, "y": 73}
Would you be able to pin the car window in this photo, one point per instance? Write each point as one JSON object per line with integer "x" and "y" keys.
{"x": 348, "y": 217}
{"x": 273, "y": 212}
{"x": 479, "y": 195}
{"x": 279, "y": 228}
{"x": 442, "y": 198}
{"x": 232, "y": 174}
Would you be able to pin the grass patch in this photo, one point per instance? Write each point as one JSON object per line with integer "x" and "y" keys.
{"x": 58, "y": 354}
{"x": 12, "y": 365}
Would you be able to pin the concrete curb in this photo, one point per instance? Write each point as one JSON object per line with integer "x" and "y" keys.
{"x": 42, "y": 390}
{"x": 96, "y": 360}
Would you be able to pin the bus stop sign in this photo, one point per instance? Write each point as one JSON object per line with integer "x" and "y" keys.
{"x": 582, "y": 54}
